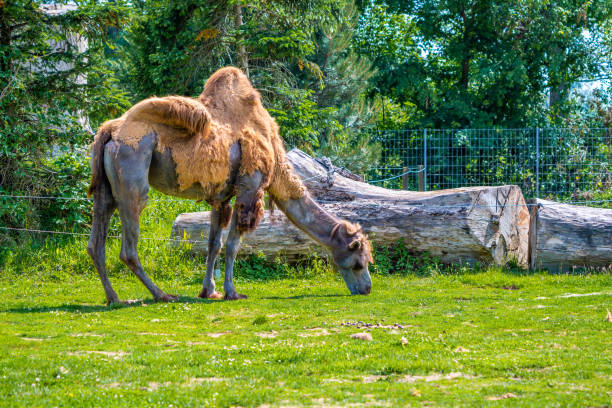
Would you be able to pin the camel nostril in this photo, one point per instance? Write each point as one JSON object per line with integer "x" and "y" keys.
{"x": 367, "y": 289}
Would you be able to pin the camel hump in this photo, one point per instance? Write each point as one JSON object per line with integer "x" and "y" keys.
{"x": 176, "y": 111}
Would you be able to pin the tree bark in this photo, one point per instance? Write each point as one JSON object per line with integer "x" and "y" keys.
{"x": 564, "y": 237}
{"x": 243, "y": 58}
{"x": 473, "y": 224}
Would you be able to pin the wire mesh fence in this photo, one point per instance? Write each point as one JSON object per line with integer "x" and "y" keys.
{"x": 560, "y": 164}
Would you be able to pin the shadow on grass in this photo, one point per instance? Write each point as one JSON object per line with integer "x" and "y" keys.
{"x": 88, "y": 308}
{"x": 303, "y": 296}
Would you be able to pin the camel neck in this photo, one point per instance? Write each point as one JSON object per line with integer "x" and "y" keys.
{"x": 310, "y": 217}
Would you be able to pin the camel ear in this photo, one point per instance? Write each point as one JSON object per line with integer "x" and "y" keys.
{"x": 356, "y": 244}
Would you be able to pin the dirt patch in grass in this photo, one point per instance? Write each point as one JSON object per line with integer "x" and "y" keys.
{"x": 193, "y": 381}
{"x": 409, "y": 379}
{"x": 373, "y": 378}
{"x": 116, "y": 355}
{"x": 216, "y": 335}
{"x": 571, "y": 295}
{"x": 501, "y": 397}
{"x": 432, "y": 377}
{"x": 87, "y": 335}
{"x": 154, "y": 386}
{"x": 267, "y": 335}
{"x": 112, "y": 385}
{"x": 315, "y": 332}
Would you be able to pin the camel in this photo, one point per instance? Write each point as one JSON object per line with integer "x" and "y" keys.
{"x": 220, "y": 145}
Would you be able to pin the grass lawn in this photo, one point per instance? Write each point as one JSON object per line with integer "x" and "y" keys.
{"x": 488, "y": 338}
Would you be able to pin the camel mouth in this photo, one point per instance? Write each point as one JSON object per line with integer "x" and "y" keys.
{"x": 358, "y": 289}
{"x": 362, "y": 291}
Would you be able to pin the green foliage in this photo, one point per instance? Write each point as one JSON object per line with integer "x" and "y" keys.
{"x": 173, "y": 47}
{"x": 483, "y": 63}
{"x": 170, "y": 47}
{"x": 50, "y": 84}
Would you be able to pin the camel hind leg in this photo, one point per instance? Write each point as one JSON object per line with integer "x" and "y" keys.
{"x": 104, "y": 206}
{"x": 127, "y": 170}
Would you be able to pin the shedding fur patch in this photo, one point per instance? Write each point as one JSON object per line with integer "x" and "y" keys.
{"x": 199, "y": 133}
{"x": 226, "y": 214}
{"x": 251, "y": 213}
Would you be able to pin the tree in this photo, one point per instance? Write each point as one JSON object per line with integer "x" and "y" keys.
{"x": 172, "y": 47}
{"x": 340, "y": 87}
{"x": 52, "y": 77}
{"x": 482, "y": 63}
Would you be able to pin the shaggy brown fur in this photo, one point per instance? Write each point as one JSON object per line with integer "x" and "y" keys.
{"x": 250, "y": 214}
{"x": 176, "y": 111}
{"x": 226, "y": 214}
{"x": 200, "y": 132}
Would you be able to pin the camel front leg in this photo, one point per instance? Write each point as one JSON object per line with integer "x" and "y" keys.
{"x": 248, "y": 211}
{"x": 214, "y": 247}
{"x": 231, "y": 249}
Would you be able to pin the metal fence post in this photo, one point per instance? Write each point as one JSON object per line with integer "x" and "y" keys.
{"x": 537, "y": 162}
{"x": 425, "y": 160}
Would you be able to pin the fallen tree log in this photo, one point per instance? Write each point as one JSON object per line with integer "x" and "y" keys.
{"x": 472, "y": 224}
{"x": 485, "y": 230}
{"x": 563, "y": 236}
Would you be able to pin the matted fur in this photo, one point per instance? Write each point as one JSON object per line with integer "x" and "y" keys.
{"x": 176, "y": 111}
{"x": 226, "y": 214}
{"x": 251, "y": 213}
{"x": 200, "y": 132}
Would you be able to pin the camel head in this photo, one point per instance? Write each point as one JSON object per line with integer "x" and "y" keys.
{"x": 352, "y": 253}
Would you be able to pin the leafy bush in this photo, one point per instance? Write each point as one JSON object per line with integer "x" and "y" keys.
{"x": 63, "y": 178}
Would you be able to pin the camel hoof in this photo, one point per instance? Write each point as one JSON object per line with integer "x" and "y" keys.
{"x": 235, "y": 296}
{"x": 214, "y": 295}
{"x": 166, "y": 298}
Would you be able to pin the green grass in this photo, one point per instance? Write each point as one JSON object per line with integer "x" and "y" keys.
{"x": 448, "y": 336}
{"x": 477, "y": 336}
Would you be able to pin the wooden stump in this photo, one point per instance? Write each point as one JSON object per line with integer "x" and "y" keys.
{"x": 564, "y": 236}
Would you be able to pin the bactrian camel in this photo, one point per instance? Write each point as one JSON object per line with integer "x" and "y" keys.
{"x": 221, "y": 145}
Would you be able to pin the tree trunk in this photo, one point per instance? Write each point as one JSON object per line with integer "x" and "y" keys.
{"x": 484, "y": 224}
{"x": 564, "y": 236}
{"x": 243, "y": 57}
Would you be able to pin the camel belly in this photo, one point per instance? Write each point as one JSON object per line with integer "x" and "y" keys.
{"x": 164, "y": 178}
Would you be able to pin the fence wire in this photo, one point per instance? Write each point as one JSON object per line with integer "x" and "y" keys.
{"x": 553, "y": 163}
{"x": 571, "y": 166}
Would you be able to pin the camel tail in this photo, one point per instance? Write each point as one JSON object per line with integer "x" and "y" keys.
{"x": 176, "y": 111}
{"x": 97, "y": 157}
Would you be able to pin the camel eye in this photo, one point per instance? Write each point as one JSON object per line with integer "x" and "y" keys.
{"x": 358, "y": 266}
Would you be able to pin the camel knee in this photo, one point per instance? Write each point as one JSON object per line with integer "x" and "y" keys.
{"x": 231, "y": 247}
{"x": 91, "y": 250}
{"x": 214, "y": 246}
{"x": 94, "y": 249}
{"x": 129, "y": 257}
